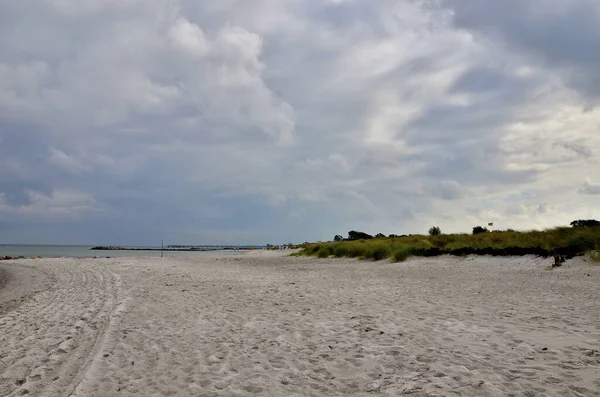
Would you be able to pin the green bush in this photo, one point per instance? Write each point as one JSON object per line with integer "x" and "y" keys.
{"x": 479, "y": 229}
{"x": 435, "y": 231}
{"x": 313, "y": 249}
{"x": 378, "y": 252}
{"x": 585, "y": 223}
{"x": 442, "y": 240}
{"x": 341, "y": 250}
{"x": 403, "y": 254}
{"x": 356, "y": 249}
{"x": 579, "y": 244}
{"x": 323, "y": 254}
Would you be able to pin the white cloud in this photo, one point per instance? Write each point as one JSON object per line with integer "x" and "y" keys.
{"x": 76, "y": 8}
{"x": 66, "y": 162}
{"x": 189, "y": 38}
{"x": 590, "y": 188}
{"x": 61, "y": 205}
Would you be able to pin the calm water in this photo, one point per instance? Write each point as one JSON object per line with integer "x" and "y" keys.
{"x": 51, "y": 251}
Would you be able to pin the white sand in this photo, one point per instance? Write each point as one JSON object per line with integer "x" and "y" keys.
{"x": 281, "y": 326}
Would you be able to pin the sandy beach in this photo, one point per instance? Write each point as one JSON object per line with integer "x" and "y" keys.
{"x": 271, "y": 325}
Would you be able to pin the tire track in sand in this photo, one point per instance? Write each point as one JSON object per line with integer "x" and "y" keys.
{"x": 50, "y": 341}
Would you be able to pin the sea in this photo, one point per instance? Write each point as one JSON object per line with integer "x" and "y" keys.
{"x": 83, "y": 251}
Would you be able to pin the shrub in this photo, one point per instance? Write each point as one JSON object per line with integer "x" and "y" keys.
{"x": 435, "y": 231}
{"x": 378, "y": 252}
{"x": 577, "y": 245}
{"x": 479, "y": 230}
{"x": 422, "y": 244}
{"x": 323, "y": 254}
{"x": 341, "y": 250}
{"x": 354, "y": 235}
{"x": 356, "y": 249}
{"x": 403, "y": 254}
{"x": 442, "y": 240}
{"x": 585, "y": 223}
{"x": 313, "y": 249}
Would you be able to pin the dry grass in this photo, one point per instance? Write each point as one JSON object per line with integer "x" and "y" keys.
{"x": 566, "y": 241}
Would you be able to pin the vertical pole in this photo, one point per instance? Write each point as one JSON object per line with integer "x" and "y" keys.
{"x": 162, "y": 247}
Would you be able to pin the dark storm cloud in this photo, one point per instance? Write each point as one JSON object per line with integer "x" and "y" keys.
{"x": 560, "y": 35}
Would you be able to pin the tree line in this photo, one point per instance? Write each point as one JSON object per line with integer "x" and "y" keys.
{"x": 435, "y": 231}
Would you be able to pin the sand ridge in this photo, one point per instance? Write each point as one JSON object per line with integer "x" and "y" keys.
{"x": 266, "y": 324}
{"x": 19, "y": 281}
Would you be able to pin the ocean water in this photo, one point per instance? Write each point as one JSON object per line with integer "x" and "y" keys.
{"x": 79, "y": 251}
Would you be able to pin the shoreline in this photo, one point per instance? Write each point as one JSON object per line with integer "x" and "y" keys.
{"x": 124, "y": 253}
{"x": 108, "y": 248}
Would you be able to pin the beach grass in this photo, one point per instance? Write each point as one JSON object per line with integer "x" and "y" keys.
{"x": 563, "y": 241}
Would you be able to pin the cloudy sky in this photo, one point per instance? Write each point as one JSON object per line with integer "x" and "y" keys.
{"x": 268, "y": 121}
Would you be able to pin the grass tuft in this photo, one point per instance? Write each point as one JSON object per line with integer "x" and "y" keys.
{"x": 402, "y": 254}
{"x": 378, "y": 252}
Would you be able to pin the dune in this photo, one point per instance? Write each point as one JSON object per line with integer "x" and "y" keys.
{"x": 271, "y": 325}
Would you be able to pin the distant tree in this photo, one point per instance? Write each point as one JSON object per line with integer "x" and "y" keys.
{"x": 479, "y": 229}
{"x": 380, "y": 235}
{"x": 435, "y": 231}
{"x": 585, "y": 223}
{"x": 354, "y": 235}
{"x": 338, "y": 238}
{"x": 393, "y": 235}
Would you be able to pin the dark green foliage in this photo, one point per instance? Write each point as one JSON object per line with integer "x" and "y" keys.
{"x": 585, "y": 223}
{"x": 313, "y": 249}
{"x": 479, "y": 229}
{"x": 356, "y": 249}
{"x": 325, "y": 250}
{"x": 505, "y": 251}
{"x": 323, "y": 254}
{"x": 338, "y": 238}
{"x": 380, "y": 235}
{"x": 577, "y": 245}
{"x": 378, "y": 252}
{"x": 403, "y": 254}
{"x": 435, "y": 231}
{"x": 354, "y": 235}
{"x": 442, "y": 240}
{"x": 341, "y": 250}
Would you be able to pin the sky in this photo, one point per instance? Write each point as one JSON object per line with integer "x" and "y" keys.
{"x": 273, "y": 121}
